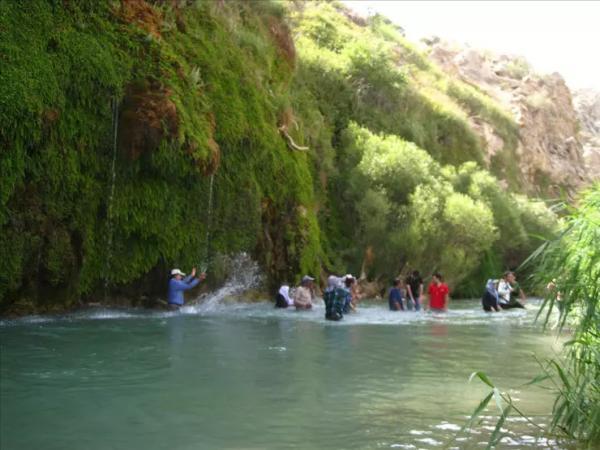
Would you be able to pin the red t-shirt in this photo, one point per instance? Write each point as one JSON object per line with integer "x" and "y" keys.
{"x": 437, "y": 295}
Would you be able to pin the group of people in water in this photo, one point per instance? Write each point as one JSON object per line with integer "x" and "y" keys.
{"x": 340, "y": 297}
{"x": 342, "y": 294}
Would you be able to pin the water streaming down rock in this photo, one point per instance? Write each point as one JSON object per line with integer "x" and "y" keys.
{"x": 243, "y": 274}
{"x": 206, "y": 260}
{"x": 113, "y": 174}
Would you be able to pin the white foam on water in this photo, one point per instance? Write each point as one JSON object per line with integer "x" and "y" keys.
{"x": 108, "y": 314}
{"x": 368, "y": 313}
{"x": 516, "y": 419}
{"x": 278, "y": 349}
{"x": 430, "y": 441}
{"x": 448, "y": 426}
{"x": 216, "y": 304}
{"x": 245, "y": 274}
{"x": 509, "y": 441}
{"x": 419, "y": 432}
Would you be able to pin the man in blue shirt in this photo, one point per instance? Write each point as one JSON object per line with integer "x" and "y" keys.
{"x": 395, "y": 297}
{"x": 179, "y": 283}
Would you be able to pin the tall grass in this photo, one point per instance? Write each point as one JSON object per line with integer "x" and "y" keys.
{"x": 568, "y": 268}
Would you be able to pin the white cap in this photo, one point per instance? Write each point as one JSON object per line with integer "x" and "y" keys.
{"x": 348, "y": 276}
{"x": 177, "y": 272}
{"x": 307, "y": 278}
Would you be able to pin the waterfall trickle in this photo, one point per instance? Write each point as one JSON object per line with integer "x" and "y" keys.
{"x": 205, "y": 261}
{"x": 109, "y": 213}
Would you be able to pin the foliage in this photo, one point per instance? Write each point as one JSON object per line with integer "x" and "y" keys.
{"x": 505, "y": 404}
{"x": 517, "y": 68}
{"x": 568, "y": 269}
{"x": 522, "y": 223}
{"x": 572, "y": 264}
{"x": 409, "y": 213}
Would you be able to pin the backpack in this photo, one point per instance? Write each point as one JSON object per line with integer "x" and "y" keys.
{"x": 334, "y": 303}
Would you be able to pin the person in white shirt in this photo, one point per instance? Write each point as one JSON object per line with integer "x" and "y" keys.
{"x": 508, "y": 291}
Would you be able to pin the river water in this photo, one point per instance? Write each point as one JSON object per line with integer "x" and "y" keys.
{"x": 247, "y": 376}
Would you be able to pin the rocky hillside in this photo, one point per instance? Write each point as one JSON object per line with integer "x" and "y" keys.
{"x": 587, "y": 105}
{"x": 551, "y": 147}
{"x": 138, "y": 135}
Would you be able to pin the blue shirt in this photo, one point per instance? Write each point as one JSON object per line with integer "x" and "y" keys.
{"x": 395, "y": 297}
{"x": 347, "y": 296}
{"x": 176, "y": 288}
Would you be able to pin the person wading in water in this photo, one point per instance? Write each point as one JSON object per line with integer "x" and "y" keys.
{"x": 395, "y": 296}
{"x": 414, "y": 290}
{"x": 438, "y": 294}
{"x": 509, "y": 290}
{"x": 178, "y": 284}
{"x": 304, "y": 293}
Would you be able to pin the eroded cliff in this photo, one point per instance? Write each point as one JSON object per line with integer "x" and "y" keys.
{"x": 550, "y": 149}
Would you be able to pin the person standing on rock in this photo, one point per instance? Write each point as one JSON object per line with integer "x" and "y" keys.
{"x": 304, "y": 293}
{"x": 179, "y": 283}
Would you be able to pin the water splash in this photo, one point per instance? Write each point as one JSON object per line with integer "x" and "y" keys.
{"x": 205, "y": 262}
{"x": 244, "y": 274}
{"x": 115, "y": 131}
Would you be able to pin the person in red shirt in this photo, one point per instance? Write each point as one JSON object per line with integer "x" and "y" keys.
{"x": 438, "y": 293}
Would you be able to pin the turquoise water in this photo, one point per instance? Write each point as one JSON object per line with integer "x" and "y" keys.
{"x": 252, "y": 377}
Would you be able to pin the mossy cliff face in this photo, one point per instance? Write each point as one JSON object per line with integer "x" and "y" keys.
{"x": 395, "y": 173}
{"x": 199, "y": 86}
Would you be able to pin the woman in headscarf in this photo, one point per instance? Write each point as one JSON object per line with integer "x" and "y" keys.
{"x": 283, "y": 299}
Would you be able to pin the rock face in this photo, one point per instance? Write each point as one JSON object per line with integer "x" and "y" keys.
{"x": 551, "y": 141}
{"x": 587, "y": 105}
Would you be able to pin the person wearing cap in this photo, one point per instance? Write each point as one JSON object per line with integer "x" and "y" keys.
{"x": 304, "y": 293}
{"x": 349, "y": 281}
{"x": 179, "y": 283}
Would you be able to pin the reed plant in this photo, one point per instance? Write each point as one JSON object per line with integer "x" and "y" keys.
{"x": 568, "y": 269}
